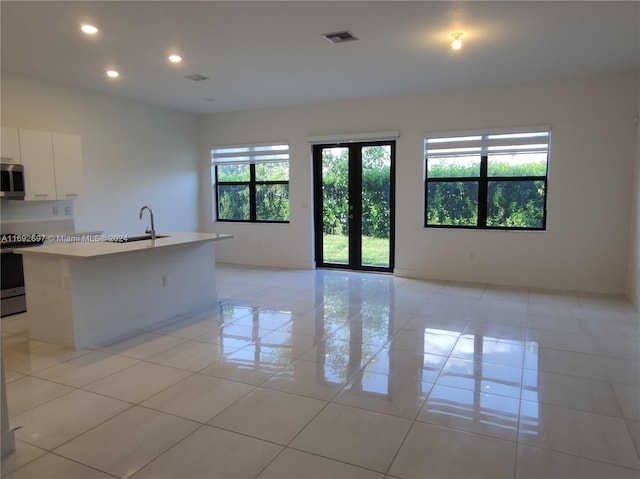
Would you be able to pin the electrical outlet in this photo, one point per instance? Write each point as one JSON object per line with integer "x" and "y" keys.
{"x": 55, "y": 211}
{"x": 67, "y": 210}
{"x": 165, "y": 281}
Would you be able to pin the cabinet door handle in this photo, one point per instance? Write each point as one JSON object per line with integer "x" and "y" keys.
{"x": 71, "y": 195}
{"x": 41, "y": 195}
{"x": 6, "y": 158}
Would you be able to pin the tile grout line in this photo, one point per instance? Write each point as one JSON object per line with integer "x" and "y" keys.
{"x": 361, "y": 369}
{"x": 66, "y": 459}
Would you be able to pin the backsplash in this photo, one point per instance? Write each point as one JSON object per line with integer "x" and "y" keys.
{"x": 15, "y": 210}
{"x": 38, "y": 227}
{"x": 36, "y": 216}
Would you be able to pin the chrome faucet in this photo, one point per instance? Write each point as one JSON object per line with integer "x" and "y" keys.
{"x": 153, "y": 228}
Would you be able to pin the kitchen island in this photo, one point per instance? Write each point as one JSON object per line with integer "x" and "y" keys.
{"x": 86, "y": 292}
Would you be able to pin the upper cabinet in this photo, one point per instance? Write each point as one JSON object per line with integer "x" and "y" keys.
{"x": 37, "y": 158}
{"x": 52, "y": 165}
{"x": 10, "y": 145}
{"x": 67, "y": 159}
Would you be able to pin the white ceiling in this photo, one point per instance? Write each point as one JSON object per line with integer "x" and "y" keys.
{"x": 269, "y": 54}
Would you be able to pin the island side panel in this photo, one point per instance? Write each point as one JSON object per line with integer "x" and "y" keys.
{"x": 117, "y": 295}
{"x": 98, "y": 300}
{"x": 49, "y": 306}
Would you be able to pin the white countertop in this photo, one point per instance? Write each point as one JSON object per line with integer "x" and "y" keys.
{"x": 69, "y": 235}
{"x": 92, "y": 247}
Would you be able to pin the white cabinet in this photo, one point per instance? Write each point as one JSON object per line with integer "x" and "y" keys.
{"x": 39, "y": 171}
{"x": 52, "y": 165}
{"x": 67, "y": 159}
{"x": 10, "y": 145}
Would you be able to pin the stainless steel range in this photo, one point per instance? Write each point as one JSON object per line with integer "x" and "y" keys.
{"x": 12, "y": 292}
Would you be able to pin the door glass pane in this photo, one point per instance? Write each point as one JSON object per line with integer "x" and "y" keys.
{"x": 376, "y": 205}
{"x": 335, "y": 205}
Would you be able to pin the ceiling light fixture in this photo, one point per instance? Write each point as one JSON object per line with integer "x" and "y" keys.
{"x": 112, "y": 74}
{"x": 175, "y": 58}
{"x": 89, "y": 29}
{"x": 457, "y": 43}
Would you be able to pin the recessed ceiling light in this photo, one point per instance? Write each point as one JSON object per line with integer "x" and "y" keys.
{"x": 89, "y": 29}
{"x": 175, "y": 58}
{"x": 112, "y": 74}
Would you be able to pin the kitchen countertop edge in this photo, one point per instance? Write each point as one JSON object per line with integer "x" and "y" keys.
{"x": 87, "y": 250}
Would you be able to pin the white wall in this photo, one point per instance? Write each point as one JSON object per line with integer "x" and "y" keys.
{"x": 586, "y": 245}
{"x": 134, "y": 154}
{"x": 634, "y": 251}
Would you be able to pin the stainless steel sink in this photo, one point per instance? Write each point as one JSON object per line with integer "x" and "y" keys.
{"x": 130, "y": 239}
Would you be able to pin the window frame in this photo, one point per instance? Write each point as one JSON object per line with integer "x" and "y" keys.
{"x": 252, "y": 183}
{"x": 483, "y": 180}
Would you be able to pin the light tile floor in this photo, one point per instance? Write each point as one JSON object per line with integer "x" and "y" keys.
{"x": 332, "y": 374}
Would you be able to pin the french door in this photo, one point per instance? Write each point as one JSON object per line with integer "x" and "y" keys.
{"x": 354, "y": 205}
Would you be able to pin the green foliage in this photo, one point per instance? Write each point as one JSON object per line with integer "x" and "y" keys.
{"x": 465, "y": 167}
{"x": 233, "y": 173}
{"x": 272, "y": 200}
{"x": 452, "y": 203}
{"x": 376, "y": 193}
{"x": 505, "y": 168}
{"x": 498, "y": 165}
{"x": 335, "y": 191}
{"x": 516, "y": 204}
{"x": 272, "y": 171}
{"x": 510, "y": 204}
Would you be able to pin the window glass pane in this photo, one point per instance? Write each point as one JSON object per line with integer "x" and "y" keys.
{"x": 517, "y": 164}
{"x": 516, "y": 204}
{"x": 272, "y": 202}
{"x": 233, "y": 202}
{"x": 233, "y": 172}
{"x": 452, "y": 203}
{"x": 453, "y": 167}
{"x": 272, "y": 171}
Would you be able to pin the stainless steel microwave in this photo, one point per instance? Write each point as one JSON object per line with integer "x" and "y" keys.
{"x": 12, "y": 181}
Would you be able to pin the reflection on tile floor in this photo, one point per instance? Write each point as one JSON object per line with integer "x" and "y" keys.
{"x": 339, "y": 374}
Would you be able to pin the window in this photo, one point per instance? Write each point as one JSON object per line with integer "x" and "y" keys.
{"x": 251, "y": 183}
{"x": 488, "y": 181}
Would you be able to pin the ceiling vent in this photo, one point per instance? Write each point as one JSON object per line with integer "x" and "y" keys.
{"x": 196, "y": 77}
{"x": 340, "y": 37}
